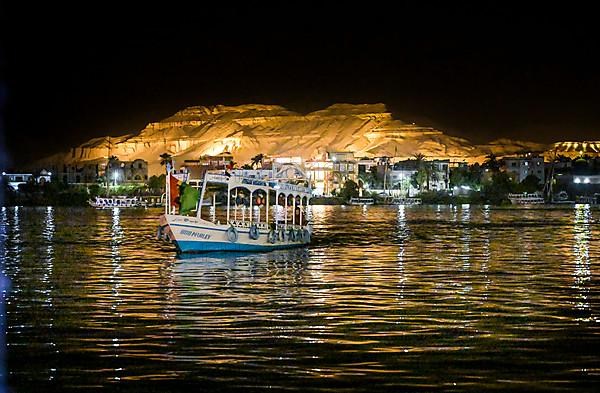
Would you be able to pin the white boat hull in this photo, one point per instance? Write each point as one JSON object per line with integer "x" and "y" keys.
{"x": 116, "y": 202}
{"x": 527, "y": 202}
{"x": 191, "y": 234}
{"x": 361, "y": 201}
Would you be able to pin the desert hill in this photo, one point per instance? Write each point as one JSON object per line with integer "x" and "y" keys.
{"x": 368, "y": 130}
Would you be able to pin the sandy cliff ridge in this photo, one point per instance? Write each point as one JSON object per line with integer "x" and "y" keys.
{"x": 246, "y": 130}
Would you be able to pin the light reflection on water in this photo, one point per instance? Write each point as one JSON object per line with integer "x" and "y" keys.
{"x": 582, "y": 274}
{"x": 462, "y": 298}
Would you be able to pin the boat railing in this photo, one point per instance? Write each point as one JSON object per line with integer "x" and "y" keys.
{"x": 248, "y": 224}
{"x": 264, "y": 225}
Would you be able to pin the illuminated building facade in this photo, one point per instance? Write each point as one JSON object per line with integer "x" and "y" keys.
{"x": 345, "y": 167}
{"x": 521, "y": 167}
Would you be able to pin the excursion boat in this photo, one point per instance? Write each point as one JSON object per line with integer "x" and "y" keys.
{"x": 406, "y": 201}
{"x": 257, "y": 215}
{"x": 118, "y": 201}
{"x": 361, "y": 201}
{"x": 526, "y": 199}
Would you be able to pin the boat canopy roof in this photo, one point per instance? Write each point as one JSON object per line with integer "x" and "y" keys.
{"x": 252, "y": 184}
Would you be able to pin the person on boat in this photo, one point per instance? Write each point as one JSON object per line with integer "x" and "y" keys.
{"x": 300, "y": 219}
{"x": 259, "y": 200}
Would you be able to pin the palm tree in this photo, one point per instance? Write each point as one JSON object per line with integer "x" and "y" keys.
{"x": 110, "y": 171}
{"x": 165, "y": 159}
{"x": 257, "y": 159}
{"x": 423, "y": 171}
{"x": 419, "y": 157}
{"x": 112, "y": 160}
{"x": 419, "y": 178}
{"x": 386, "y": 163}
{"x": 492, "y": 163}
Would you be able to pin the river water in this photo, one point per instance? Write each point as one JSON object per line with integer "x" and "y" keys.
{"x": 386, "y": 298}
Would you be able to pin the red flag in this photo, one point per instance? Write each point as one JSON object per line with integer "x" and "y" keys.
{"x": 174, "y": 190}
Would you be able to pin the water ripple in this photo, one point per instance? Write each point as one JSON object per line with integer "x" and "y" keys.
{"x": 458, "y": 298}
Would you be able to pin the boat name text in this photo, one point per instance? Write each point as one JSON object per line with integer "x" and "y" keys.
{"x": 186, "y": 232}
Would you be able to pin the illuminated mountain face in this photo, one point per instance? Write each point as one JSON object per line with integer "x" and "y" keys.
{"x": 368, "y": 130}
{"x": 575, "y": 149}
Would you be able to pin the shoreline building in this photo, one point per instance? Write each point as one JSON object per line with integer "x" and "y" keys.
{"x": 197, "y": 168}
{"x": 402, "y": 173}
{"x": 319, "y": 174}
{"x": 14, "y": 180}
{"x": 519, "y": 168}
{"x": 344, "y": 168}
{"x": 118, "y": 172}
{"x": 86, "y": 173}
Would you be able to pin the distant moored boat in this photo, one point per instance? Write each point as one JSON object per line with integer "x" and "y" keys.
{"x": 526, "y": 198}
{"x": 117, "y": 201}
{"x": 361, "y": 201}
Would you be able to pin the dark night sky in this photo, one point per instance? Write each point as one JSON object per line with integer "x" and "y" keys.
{"x": 497, "y": 70}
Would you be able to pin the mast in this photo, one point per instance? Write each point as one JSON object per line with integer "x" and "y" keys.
{"x": 168, "y": 191}
{"x": 549, "y": 180}
{"x": 107, "y": 165}
{"x": 384, "y": 174}
{"x": 201, "y": 199}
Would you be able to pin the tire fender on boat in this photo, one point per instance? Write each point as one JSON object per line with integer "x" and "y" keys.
{"x": 307, "y": 235}
{"x": 254, "y": 232}
{"x": 281, "y": 234}
{"x": 272, "y": 236}
{"x": 292, "y": 235}
{"x": 232, "y": 234}
{"x": 300, "y": 235}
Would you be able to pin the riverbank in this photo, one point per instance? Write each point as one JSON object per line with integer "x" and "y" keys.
{"x": 56, "y": 194}
{"x": 427, "y": 198}
{"x": 69, "y": 195}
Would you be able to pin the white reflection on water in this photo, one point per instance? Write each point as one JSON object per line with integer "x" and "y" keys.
{"x": 15, "y": 226}
{"x": 48, "y": 278}
{"x": 485, "y": 260}
{"x": 14, "y": 238}
{"x": 365, "y": 210}
{"x": 318, "y": 214}
{"x": 465, "y": 237}
{"x": 116, "y": 237}
{"x": 48, "y": 236}
{"x": 582, "y": 275}
{"x": 3, "y": 238}
{"x": 403, "y": 233}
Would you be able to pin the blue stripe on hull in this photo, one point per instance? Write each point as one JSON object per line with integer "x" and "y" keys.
{"x": 192, "y": 246}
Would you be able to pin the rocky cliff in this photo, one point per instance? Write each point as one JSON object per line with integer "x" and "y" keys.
{"x": 246, "y": 130}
